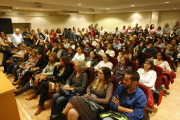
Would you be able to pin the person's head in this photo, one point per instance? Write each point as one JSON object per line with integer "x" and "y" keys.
{"x": 52, "y": 30}
{"x": 79, "y": 50}
{"x": 173, "y": 41}
{"x": 65, "y": 40}
{"x": 136, "y": 24}
{"x": 147, "y": 40}
{"x": 28, "y": 50}
{"x": 26, "y": 28}
{"x": 52, "y": 58}
{"x": 104, "y": 73}
{"x": 177, "y": 23}
{"x": 138, "y": 54}
{"x": 34, "y": 52}
{"x": 131, "y": 79}
{"x": 170, "y": 47}
{"x": 128, "y": 42}
{"x": 58, "y": 30}
{"x": 79, "y": 43}
{"x": 65, "y": 29}
{"x": 41, "y": 43}
{"x": 39, "y": 30}
{"x": 96, "y": 25}
{"x": 33, "y": 31}
{"x": 147, "y": 25}
{"x": 101, "y": 27}
{"x": 46, "y": 31}
{"x": 106, "y": 57}
{"x": 129, "y": 27}
{"x": 40, "y": 53}
{"x": 161, "y": 56}
{"x": 70, "y": 50}
{"x": 59, "y": 40}
{"x": 140, "y": 27}
{"x": 166, "y": 25}
{"x": 60, "y": 46}
{"x": 124, "y": 27}
{"x": 71, "y": 43}
{"x": 159, "y": 28}
{"x": 3, "y": 34}
{"x": 19, "y": 46}
{"x": 47, "y": 43}
{"x": 151, "y": 45}
{"x": 149, "y": 64}
{"x": 92, "y": 39}
{"x": 125, "y": 61}
{"x": 159, "y": 40}
{"x": 98, "y": 46}
{"x": 65, "y": 61}
{"x": 17, "y": 31}
{"x": 79, "y": 39}
{"x": 116, "y": 28}
{"x": 80, "y": 65}
{"x": 126, "y": 49}
{"x": 117, "y": 41}
{"x": 70, "y": 30}
{"x": 152, "y": 26}
{"x": 88, "y": 44}
{"x": 142, "y": 45}
{"x": 92, "y": 54}
{"x": 110, "y": 46}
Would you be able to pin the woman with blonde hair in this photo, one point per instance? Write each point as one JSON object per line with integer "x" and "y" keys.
{"x": 72, "y": 45}
{"x": 97, "y": 93}
{"x": 110, "y": 50}
{"x": 129, "y": 30}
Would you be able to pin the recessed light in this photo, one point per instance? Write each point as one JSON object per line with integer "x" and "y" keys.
{"x": 175, "y": 8}
{"x": 153, "y": 10}
{"x": 41, "y": 9}
{"x": 132, "y": 5}
{"x": 167, "y": 2}
{"x": 107, "y": 8}
{"x": 16, "y": 8}
{"x": 79, "y": 4}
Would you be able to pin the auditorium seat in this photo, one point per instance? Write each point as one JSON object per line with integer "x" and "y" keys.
{"x": 158, "y": 48}
{"x": 134, "y": 66}
{"x": 85, "y": 54}
{"x": 99, "y": 57}
{"x": 93, "y": 47}
{"x": 116, "y": 52}
{"x": 146, "y": 55}
{"x": 114, "y": 61}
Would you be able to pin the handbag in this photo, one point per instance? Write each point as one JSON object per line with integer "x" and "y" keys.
{"x": 69, "y": 93}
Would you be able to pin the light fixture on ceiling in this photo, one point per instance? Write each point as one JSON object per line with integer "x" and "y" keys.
{"x": 175, "y": 8}
{"x": 167, "y": 2}
{"x": 153, "y": 10}
{"x": 41, "y": 9}
{"x": 132, "y": 5}
{"x": 16, "y": 8}
{"x": 79, "y": 4}
{"x": 107, "y": 8}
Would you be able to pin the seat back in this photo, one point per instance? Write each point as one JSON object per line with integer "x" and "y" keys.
{"x": 159, "y": 72}
{"x": 65, "y": 49}
{"x": 115, "y": 84}
{"x": 58, "y": 59}
{"x": 75, "y": 51}
{"x": 158, "y": 48}
{"x": 93, "y": 47}
{"x": 85, "y": 53}
{"x": 83, "y": 45}
{"x": 47, "y": 57}
{"x": 134, "y": 66}
{"x": 146, "y": 55}
{"x": 114, "y": 61}
{"x": 116, "y": 52}
{"x": 167, "y": 58}
{"x": 137, "y": 42}
{"x": 90, "y": 74}
{"x": 99, "y": 57}
{"x": 121, "y": 41}
{"x": 72, "y": 66}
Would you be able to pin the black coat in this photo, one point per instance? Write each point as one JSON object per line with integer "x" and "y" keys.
{"x": 42, "y": 62}
{"x": 94, "y": 62}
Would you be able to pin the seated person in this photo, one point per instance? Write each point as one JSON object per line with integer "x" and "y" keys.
{"x": 117, "y": 44}
{"x": 41, "y": 64}
{"x": 104, "y": 63}
{"x": 66, "y": 44}
{"x": 76, "y": 82}
{"x": 139, "y": 58}
{"x": 151, "y": 50}
{"x": 79, "y": 55}
{"x": 129, "y": 99}
{"x": 161, "y": 61}
{"x": 48, "y": 47}
{"x": 78, "y": 44}
{"x": 88, "y": 48}
{"x": 171, "y": 52}
{"x": 110, "y": 50}
{"x": 85, "y": 40}
{"x": 129, "y": 44}
{"x": 91, "y": 61}
{"x": 141, "y": 47}
{"x": 148, "y": 75}
{"x": 72, "y": 45}
{"x": 93, "y": 41}
{"x": 69, "y": 53}
{"x": 160, "y": 44}
{"x": 121, "y": 69}
{"x": 98, "y": 92}
{"x": 61, "y": 73}
{"x": 41, "y": 46}
{"x": 99, "y": 49}
{"x": 61, "y": 50}
{"x": 125, "y": 52}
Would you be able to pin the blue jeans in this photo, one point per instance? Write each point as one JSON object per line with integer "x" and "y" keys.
{"x": 58, "y": 103}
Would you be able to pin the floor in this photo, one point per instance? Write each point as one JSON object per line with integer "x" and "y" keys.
{"x": 169, "y": 109}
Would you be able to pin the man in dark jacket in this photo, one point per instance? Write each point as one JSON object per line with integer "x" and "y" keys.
{"x": 151, "y": 50}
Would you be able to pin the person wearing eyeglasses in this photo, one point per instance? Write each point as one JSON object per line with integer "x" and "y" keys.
{"x": 79, "y": 55}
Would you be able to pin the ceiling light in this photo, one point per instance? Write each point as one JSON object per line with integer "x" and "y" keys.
{"x": 153, "y": 10}
{"x": 132, "y": 5}
{"x": 175, "y": 8}
{"x": 41, "y": 9}
{"x": 79, "y": 4}
{"x": 107, "y": 8}
{"x": 16, "y": 8}
{"x": 167, "y": 2}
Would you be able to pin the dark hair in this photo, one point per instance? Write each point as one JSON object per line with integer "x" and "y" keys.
{"x": 40, "y": 52}
{"x": 61, "y": 44}
{"x": 26, "y": 27}
{"x": 66, "y": 60}
{"x": 159, "y": 27}
{"x": 163, "y": 55}
{"x": 80, "y": 47}
{"x": 70, "y": 48}
{"x": 107, "y": 74}
{"x": 151, "y": 63}
{"x": 4, "y": 34}
{"x": 47, "y": 31}
{"x": 99, "y": 44}
{"x": 65, "y": 29}
{"x": 127, "y": 50}
{"x": 20, "y": 44}
{"x": 129, "y": 42}
{"x": 107, "y": 55}
{"x": 93, "y": 53}
{"x": 151, "y": 26}
{"x": 59, "y": 30}
{"x": 151, "y": 43}
{"x": 144, "y": 45}
{"x": 88, "y": 43}
{"x": 134, "y": 75}
{"x": 140, "y": 55}
{"x": 79, "y": 43}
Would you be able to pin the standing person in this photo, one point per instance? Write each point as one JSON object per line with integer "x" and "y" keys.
{"x": 175, "y": 28}
{"x": 136, "y": 29}
{"x": 159, "y": 32}
{"x": 58, "y": 33}
{"x": 102, "y": 31}
{"x": 166, "y": 30}
{"x": 128, "y": 98}
{"x": 41, "y": 36}
{"x": 116, "y": 31}
{"x": 71, "y": 35}
{"x": 123, "y": 30}
{"x": 47, "y": 35}
{"x": 16, "y": 37}
{"x": 26, "y": 36}
{"x": 53, "y": 36}
{"x": 129, "y": 30}
{"x": 65, "y": 33}
{"x": 96, "y": 27}
{"x": 152, "y": 30}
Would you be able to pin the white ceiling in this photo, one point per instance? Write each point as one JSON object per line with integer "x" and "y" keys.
{"x": 93, "y": 6}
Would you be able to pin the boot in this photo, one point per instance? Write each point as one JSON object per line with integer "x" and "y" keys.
{"x": 17, "y": 90}
{"x": 40, "y": 108}
{"x": 31, "y": 97}
{"x": 60, "y": 116}
{"x": 17, "y": 82}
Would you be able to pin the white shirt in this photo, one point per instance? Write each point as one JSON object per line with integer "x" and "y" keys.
{"x": 149, "y": 79}
{"x": 103, "y": 64}
{"x": 123, "y": 30}
{"x": 102, "y": 32}
{"x": 72, "y": 46}
{"x": 77, "y": 57}
{"x": 110, "y": 52}
{"x": 89, "y": 63}
{"x": 101, "y": 52}
{"x": 164, "y": 65}
{"x": 16, "y": 39}
{"x": 2, "y": 42}
{"x": 94, "y": 43}
{"x": 116, "y": 32}
{"x": 85, "y": 41}
{"x": 66, "y": 45}
{"x": 97, "y": 40}
{"x": 47, "y": 37}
